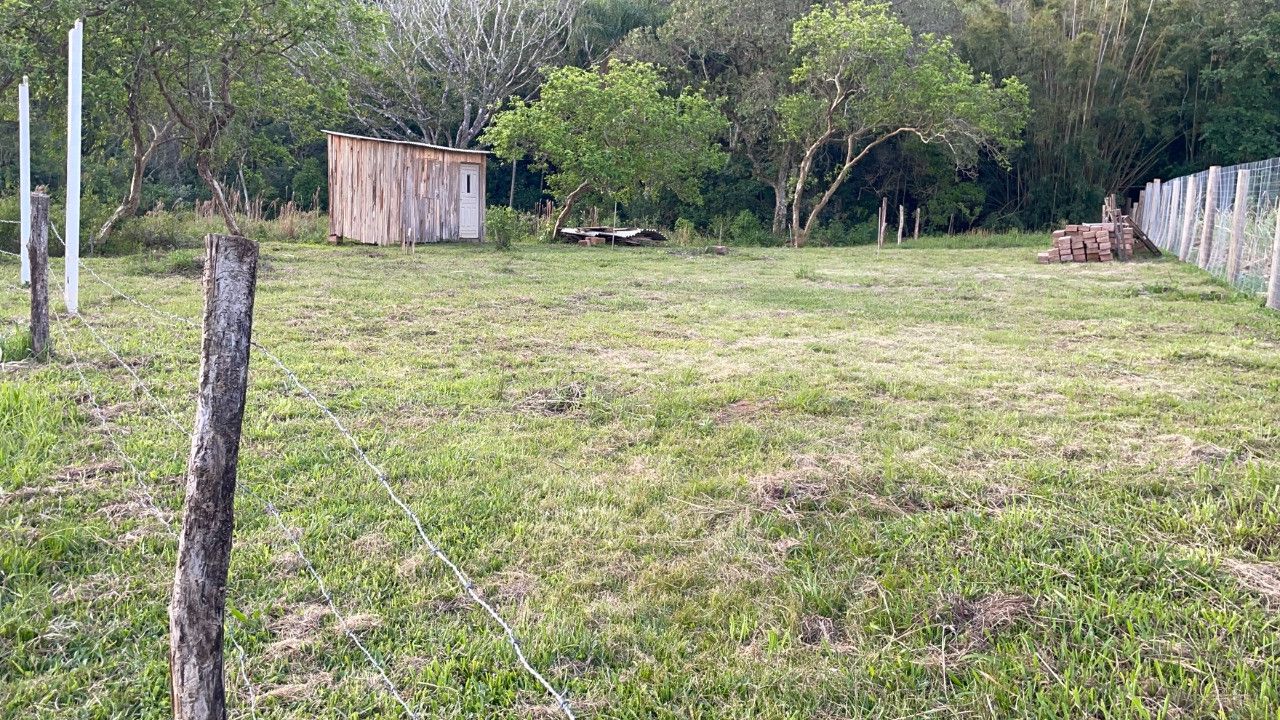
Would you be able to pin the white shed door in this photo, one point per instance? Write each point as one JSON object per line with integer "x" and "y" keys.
{"x": 469, "y": 201}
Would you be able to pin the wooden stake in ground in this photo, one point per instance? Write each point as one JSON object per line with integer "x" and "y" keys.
{"x": 1273, "y": 295}
{"x": 1188, "y": 217}
{"x": 1210, "y": 217}
{"x": 884, "y": 217}
{"x": 916, "y": 235}
{"x": 204, "y": 551}
{"x": 38, "y": 257}
{"x": 902, "y": 218}
{"x": 1238, "y": 213}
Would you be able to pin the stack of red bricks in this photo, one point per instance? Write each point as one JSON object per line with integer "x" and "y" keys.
{"x": 1090, "y": 242}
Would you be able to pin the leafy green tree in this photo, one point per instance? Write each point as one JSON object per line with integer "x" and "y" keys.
{"x": 737, "y": 51}
{"x": 214, "y": 59}
{"x": 612, "y": 132}
{"x": 863, "y": 79}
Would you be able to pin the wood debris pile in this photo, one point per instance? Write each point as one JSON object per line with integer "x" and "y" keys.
{"x": 612, "y": 236}
{"x": 1090, "y": 242}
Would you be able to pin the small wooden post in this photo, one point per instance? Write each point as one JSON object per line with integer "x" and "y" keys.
{"x": 1210, "y": 217}
{"x": 204, "y": 550}
{"x": 1188, "y": 217}
{"x": 916, "y": 235}
{"x": 1273, "y": 293}
{"x": 1238, "y": 213}
{"x": 902, "y": 218}
{"x": 884, "y": 218}
{"x": 38, "y": 256}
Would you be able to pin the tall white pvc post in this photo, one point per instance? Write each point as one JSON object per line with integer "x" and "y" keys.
{"x": 24, "y": 179}
{"x": 75, "y": 39}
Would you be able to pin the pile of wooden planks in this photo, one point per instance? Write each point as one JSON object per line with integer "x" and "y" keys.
{"x": 1090, "y": 242}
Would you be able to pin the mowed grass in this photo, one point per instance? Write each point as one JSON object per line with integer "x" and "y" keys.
{"x": 776, "y": 484}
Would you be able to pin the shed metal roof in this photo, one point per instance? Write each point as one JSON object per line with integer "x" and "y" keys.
{"x": 407, "y": 142}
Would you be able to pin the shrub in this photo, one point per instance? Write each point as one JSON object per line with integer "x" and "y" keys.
{"x": 504, "y": 226}
{"x": 184, "y": 263}
{"x": 686, "y": 232}
{"x": 746, "y": 229}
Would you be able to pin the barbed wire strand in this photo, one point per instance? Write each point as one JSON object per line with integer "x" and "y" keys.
{"x": 172, "y": 417}
{"x": 462, "y": 578}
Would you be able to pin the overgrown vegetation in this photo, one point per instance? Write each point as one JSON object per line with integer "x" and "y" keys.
{"x": 1118, "y": 93}
{"x": 773, "y": 484}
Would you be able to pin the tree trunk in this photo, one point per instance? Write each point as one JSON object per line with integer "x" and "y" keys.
{"x": 204, "y": 550}
{"x": 779, "y": 185}
{"x": 568, "y": 206}
{"x": 129, "y": 206}
{"x": 205, "y": 172}
{"x": 511, "y": 192}
{"x": 800, "y": 233}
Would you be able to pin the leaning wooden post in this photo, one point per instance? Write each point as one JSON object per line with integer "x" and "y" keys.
{"x": 902, "y": 218}
{"x": 1188, "y": 217}
{"x": 38, "y": 258}
{"x": 204, "y": 550}
{"x": 1273, "y": 294}
{"x": 1210, "y": 217}
{"x": 1238, "y": 213}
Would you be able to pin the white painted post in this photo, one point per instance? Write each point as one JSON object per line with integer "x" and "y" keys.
{"x": 1188, "y": 217}
{"x": 71, "y": 236}
{"x": 1273, "y": 295}
{"x": 24, "y": 179}
{"x": 1210, "y": 217}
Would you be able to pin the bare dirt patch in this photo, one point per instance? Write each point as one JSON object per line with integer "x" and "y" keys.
{"x": 556, "y": 400}
{"x": 1260, "y": 578}
{"x": 970, "y": 625}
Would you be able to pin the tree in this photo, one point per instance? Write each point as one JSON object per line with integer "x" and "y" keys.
{"x": 212, "y": 59}
{"x": 862, "y": 79}
{"x": 613, "y": 133}
{"x": 440, "y": 68}
{"x": 736, "y": 50}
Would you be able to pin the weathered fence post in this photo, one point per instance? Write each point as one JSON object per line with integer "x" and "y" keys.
{"x": 1210, "y": 217}
{"x": 916, "y": 235}
{"x": 38, "y": 257}
{"x": 884, "y": 218}
{"x": 1175, "y": 209}
{"x": 1157, "y": 209}
{"x": 902, "y": 219}
{"x": 1188, "y": 217}
{"x": 1239, "y": 210}
{"x": 1273, "y": 293}
{"x": 204, "y": 550}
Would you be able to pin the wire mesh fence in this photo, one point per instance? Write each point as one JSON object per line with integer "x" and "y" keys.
{"x": 1224, "y": 219}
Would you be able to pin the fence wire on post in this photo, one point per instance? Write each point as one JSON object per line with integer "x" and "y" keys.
{"x": 1226, "y": 220}
{"x": 461, "y": 576}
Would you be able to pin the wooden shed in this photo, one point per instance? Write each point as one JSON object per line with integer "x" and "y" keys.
{"x": 391, "y": 192}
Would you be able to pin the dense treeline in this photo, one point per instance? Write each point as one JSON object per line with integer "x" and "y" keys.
{"x": 224, "y": 99}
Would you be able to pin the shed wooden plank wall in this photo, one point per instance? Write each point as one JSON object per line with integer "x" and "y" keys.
{"x": 388, "y": 193}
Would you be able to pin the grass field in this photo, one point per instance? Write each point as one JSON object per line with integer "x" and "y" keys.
{"x": 828, "y": 483}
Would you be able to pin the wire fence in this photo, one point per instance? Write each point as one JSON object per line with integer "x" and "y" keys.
{"x": 463, "y": 580}
{"x": 1226, "y": 220}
